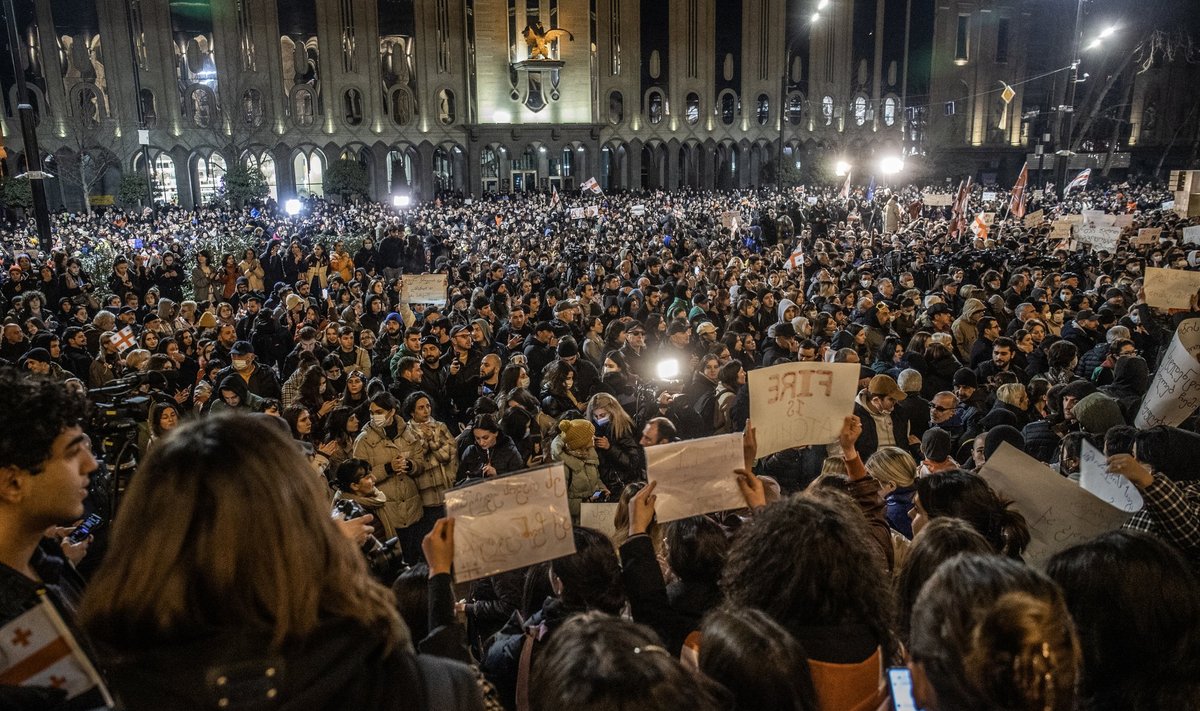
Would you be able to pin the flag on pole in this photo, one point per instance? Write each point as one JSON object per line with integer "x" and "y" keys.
{"x": 37, "y": 649}
{"x": 1016, "y": 202}
{"x": 591, "y": 185}
{"x": 796, "y": 260}
{"x": 871, "y": 190}
{"x": 958, "y": 225}
{"x": 1080, "y": 181}
{"x": 125, "y": 339}
{"x": 979, "y": 227}
{"x": 844, "y": 193}
{"x": 555, "y": 200}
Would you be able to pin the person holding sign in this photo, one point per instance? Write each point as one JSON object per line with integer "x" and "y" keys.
{"x": 1162, "y": 467}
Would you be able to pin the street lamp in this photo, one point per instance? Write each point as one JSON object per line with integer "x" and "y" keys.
{"x": 890, "y": 165}
{"x": 841, "y": 168}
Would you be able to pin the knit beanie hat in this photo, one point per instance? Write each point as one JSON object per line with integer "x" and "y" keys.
{"x": 1098, "y": 413}
{"x": 577, "y": 434}
{"x": 999, "y": 435}
{"x": 935, "y": 444}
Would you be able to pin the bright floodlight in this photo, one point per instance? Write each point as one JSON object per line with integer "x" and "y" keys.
{"x": 1108, "y": 32}
{"x": 401, "y": 200}
{"x": 292, "y": 207}
{"x": 891, "y": 165}
{"x": 842, "y": 167}
{"x": 1093, "y": 44}
{"x": 667, "y": 369}
{"x": 822, "y": 5}
{"x": 816, "y": 16}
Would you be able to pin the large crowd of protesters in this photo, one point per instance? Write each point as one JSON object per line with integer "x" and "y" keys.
{"x": 275, "y": 369}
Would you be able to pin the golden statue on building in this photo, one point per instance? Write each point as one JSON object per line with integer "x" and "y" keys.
{"x": 539, "y": 38}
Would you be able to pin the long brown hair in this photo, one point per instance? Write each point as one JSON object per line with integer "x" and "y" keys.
{"x": 226, "y": 526}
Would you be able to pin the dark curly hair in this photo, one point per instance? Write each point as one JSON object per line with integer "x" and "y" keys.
{"x": 827, "y": 573}
{"x": 33, "y": 413}
{"x": 968, "y": 496}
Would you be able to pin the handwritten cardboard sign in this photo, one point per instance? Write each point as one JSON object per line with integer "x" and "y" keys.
{"x": 1175, "y": 392}
{"x": 1095, "y": 479}
{"x": 1101, "y": 237}
{"x": 598, "y": 516}
{"x": 425, "y": 288}
{"x": 1059, "y": 513}
{"x": 1098, "y": 217}
{"x": 1147, "y": 236}
{"x": 638, "y": 210}
{"x": 1034, "y": 218}
{"x": 1060, "y": 229}
{"x": 1124, "y": 220}
{"x": 794, "y": 404}
{"x": 1170, "y": 288}
{"x": 510, "y": 522}
{"x": 1191, "y": 235}
{"x": 696, "y": 476}
{"x": 938, "y": 200}
{"x": 989, "y": 197}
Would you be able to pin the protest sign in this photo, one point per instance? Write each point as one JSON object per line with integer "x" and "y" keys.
{"x": 1073, "y": 219}
{"x": 938, "y": 200}
{"x": 1175, "y": 392}
{"x": 576, "y": 213}
{"x": 1095, "y": 479}
{"x": 1101, "y": 237}
{"x": 989, "y": 218}
{"x": 810, "y": 200}
{"x": 1060, "y": 229}
{"x": 696, "y": 476}
{"x": 1170, "y": 288}
{"x": 638, "y": 210}
{"x": 599, "y": 517}
{"x": 1034, "y": 218}
{"x": 989, "y": 197}
{"x": 730, "y": 218}
{"x": 1147, "y": 235}
{"x": 1059, "y": 513}
{"x": 794, "y": 404}
{"x": 1123, "y": 221}
{"x": 510, "y": 522}
{"x": 425, "y": 289}
{"x": 1191, "y": 235}
{"x": 1098, "y": 217}
{"x": 1168, "y": 205}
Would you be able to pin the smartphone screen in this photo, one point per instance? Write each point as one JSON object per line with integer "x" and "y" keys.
{"x": 901, "y": 686}
{"x": 83, "y": 530}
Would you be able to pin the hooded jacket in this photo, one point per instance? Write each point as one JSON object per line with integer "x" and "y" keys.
{"x": 965, "y": 330}
{"x": 1131, "y": 380}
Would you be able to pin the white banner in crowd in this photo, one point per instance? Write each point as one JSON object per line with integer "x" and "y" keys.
{"x": 1170, "y": 288}
{"x": 425, "y": 288}
{"x": 1110, "y": 488}
{"x": 1175, "y": 391}
{"x": 1101, "y": 237}
{"x": 793, "y": 404}
{"x": 937, "y": 200}
{"x": 510, "y": 522}
{"x": 1098, "y": 217}
{"x": 1123, "y": 221}
{"x": 1191, "y": 235}
{"x": 638, "y": 210}
{"x": 1058, "y": 512}
{"x": 989, "y": 197}
{"x": 696, "y": 476}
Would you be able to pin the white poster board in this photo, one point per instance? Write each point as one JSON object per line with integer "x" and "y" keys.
{"x": 1098, "y": 217}
{"x": 696, "y": 476}
{"x": 599, "y": 517}
{"x": 1095, "y": 479}
{"x": 510, "y": 522}
{"x": 1123, "y": 221}
{"x": 989, "y": 197}
{"x": 1175, "y": 391}
{"x": 1101, "y": 237}
{"x": 793, "y": 404}
{"x": 810, "y": 200}
{"x": 1170, "y": 288}
{"x": 425, "y": 289}
{"x": 1191, "y": 235}
{"x": 938, "y": 200}
{"x": 1059, "y": 513}
{"x": 576, "y": 213}
{"x": 638, "y": 210}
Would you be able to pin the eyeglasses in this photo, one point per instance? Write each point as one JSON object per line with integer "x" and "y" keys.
{"x": 939, "y": 408}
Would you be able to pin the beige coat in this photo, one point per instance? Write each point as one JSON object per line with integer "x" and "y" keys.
{"x": 403, "y": 507}
{"x": 441, "y": 462}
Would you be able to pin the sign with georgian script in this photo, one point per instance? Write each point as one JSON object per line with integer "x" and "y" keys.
{"x": 510, "y": 522}
{"x": 425, "y": 289}
{"x": 696, "y": 476}
{"x": 1175, "y": 391}
{"x": 1171, "y": 288}
{"x": 794, "y": 404}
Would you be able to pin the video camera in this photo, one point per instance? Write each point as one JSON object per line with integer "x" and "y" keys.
{"x": 384, "y": 558}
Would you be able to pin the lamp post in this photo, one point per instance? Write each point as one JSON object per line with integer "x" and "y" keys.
{"x": 1064, "y": 136}
{"x": 33, "y": 154}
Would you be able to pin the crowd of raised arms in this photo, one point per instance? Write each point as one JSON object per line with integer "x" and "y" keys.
{"x": 300, "y": 402}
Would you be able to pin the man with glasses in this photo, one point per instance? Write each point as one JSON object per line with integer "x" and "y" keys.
{"x": 634, "y": 350}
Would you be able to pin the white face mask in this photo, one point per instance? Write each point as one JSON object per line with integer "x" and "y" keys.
{"x": 379, "y": 420}
{"x": 523, "y": 382}
{"x": 241, "y": 364}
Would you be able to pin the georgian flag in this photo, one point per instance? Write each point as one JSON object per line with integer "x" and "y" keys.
{"x": 1016, "y": 204}
{"x": 37, "y": 649}
{"x": 845, "y": 191}
{"x": 1080, "y": 181}
{"x": 979, "y": 227}
{"x": 125, "y": 339}
{"x": 592, "y": 185}
{"x": 796, "y": 260}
